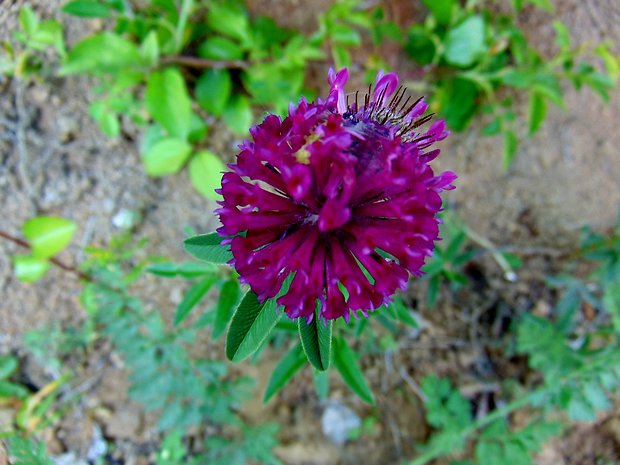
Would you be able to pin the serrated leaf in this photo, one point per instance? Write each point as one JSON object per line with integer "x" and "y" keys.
{"x": 345, "y": 362}
{"x": 213, "y": 90}
{"x": 205, "y": 172}
{"x": 251, "y": 324}
{"x": 48, "y": 235}
{"x": 316, "y": 340}
{"x": 286, "y": 368}
{"x": 86, "y": 9}
{"x": 168, "y": 102}
{"x": 192, "y": 297}
{"x": 229, "y": 296}
{"x": 166, "y": 156}
{"x": 208, "y": 247}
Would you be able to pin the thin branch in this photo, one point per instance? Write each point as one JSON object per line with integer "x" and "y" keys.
{"x": 55, "y": 261}
{"x": 202, "y": 63}
{"x": 20, "y": 143}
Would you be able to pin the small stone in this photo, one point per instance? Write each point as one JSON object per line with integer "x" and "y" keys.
{"x": 339, "y": 421}
{"x": 125, "y": 219}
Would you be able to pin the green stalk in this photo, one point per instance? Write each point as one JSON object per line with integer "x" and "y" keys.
{"x": 186, "y": 8}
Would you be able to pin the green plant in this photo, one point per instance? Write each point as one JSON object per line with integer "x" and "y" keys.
{"x": 46, "y": 236}
{"x": 473, "y": 54}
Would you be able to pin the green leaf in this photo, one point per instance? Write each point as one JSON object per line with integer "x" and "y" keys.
{"x": 166, "y": 156}
{"x": 229, "y": 19}
{"x": 168, "y": 102}
{"x": 229, "y": 296}
{"x": 538, "y": 111}
{"x": 238, "y": 114}
{"x": 562, "y": 36}
{"x": 420, "y": 46}
{"x": 150, "y": 48}
{"x": 465, "y": 44}
{"x": 286, "y": 368}
{"x": 205, "y": 171}
{"x": 8, "y": 365}
{"x": 192, "y": 297}
{"x": 511, "y": 143}
{"x": 28, "y": 20}
{"x": 29, "y": 269}
{"x": 345, "y": 362}
{"x": 48, "y": 235}
{"x": 316, "y": 340}
{"x": 102, "y": 53}
{"x": 208, "y": 247}
{"x": 321, "y": 383}
{"x": 441, "y": 9}
{"x": 213, "y": 90}
{"x": 10, "y": 390}
{"x": 250, "y": 325}
{"x": 220, "y": 48}
{"x": 86, "y": 9}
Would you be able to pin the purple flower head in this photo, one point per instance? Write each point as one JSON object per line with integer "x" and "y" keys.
{"x": 340, "y": 196}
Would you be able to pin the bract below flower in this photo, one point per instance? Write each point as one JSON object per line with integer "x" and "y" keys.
{"x": 340, "y": 195}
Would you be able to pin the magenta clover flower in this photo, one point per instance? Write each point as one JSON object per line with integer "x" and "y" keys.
{"x": 340, "y": 196}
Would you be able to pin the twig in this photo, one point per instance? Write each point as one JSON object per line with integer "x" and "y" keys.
{"x": 20, "y": 142}
{"x": 412, "y": 384}
{"x": 202, "y": 63}
{"x": 55, "y": 261}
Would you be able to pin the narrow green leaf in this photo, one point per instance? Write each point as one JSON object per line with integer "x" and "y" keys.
{"x": 345, "y": 362}
{"x": 316, "y": 340}
{"x": 321, "y": 383}
{"x": 48, "y": 235}
{"x": 192, "y": 297}
{"x": 286, "y": 368}
{"x": 164, "y": 270}
{"x": 229, "y": 296}
{"x": 511, "y": 144}
{"x": 8, "y": 365}
{"x": 12, "y": 390}
{"x": 250, "y": 325}
{"x": 208, "y": 247}
{"x": 538, "y": 111}
{"x": 86, "y": 9}
{"x": 166, "y": 156}
{"x": 168, "y": 102}
{"x": 205, "y": 172}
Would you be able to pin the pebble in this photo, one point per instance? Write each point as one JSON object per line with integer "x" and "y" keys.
{"x": 339, "y": 421}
